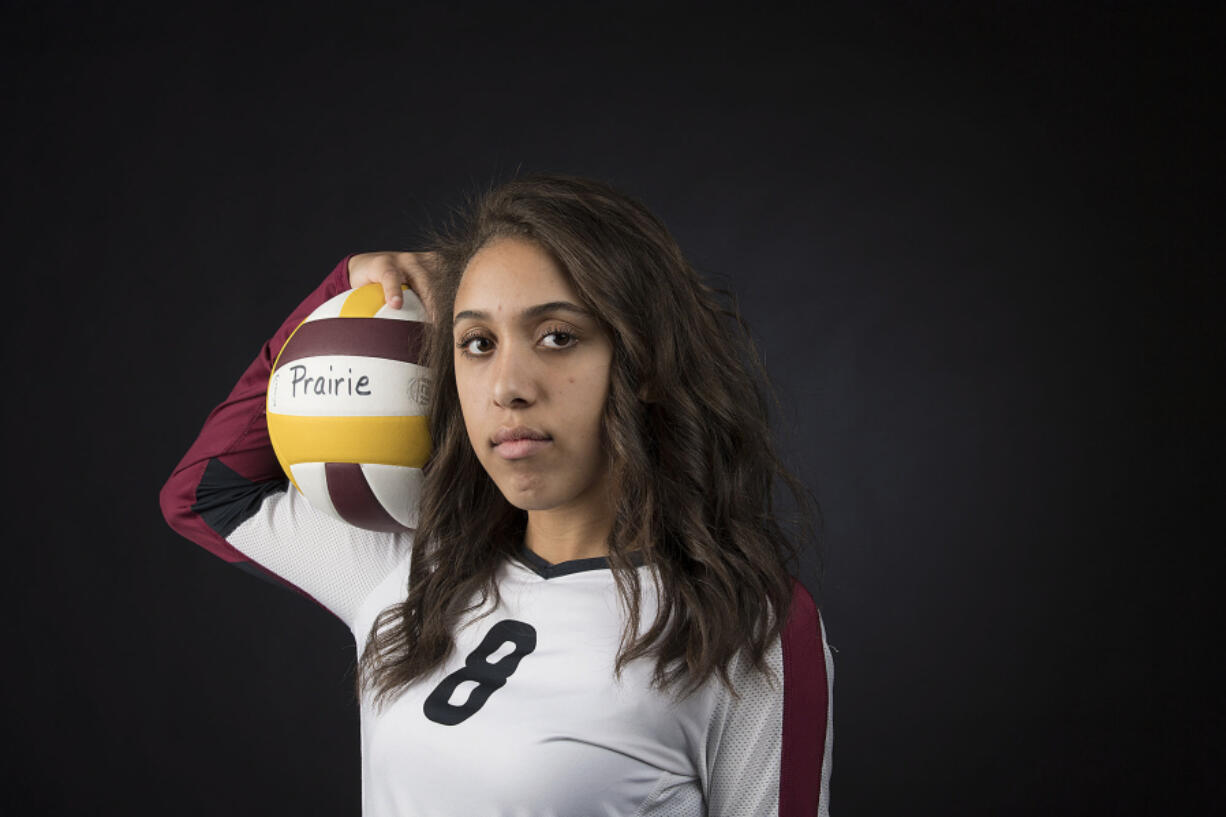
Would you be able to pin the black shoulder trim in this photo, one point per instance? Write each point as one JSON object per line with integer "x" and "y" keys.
{"x": 226, "y": 499}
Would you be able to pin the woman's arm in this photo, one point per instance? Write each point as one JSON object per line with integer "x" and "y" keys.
{"x": 229, "y": 495}
{"x": 769, "y": 752}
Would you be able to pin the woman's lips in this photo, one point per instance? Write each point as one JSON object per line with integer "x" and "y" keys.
{"x": 518, "y": 449}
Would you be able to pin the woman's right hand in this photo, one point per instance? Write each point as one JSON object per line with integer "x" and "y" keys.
{"x": 391, "y": 269}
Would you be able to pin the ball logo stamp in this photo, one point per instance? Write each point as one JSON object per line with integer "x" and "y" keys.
{"x": 419, "y": 390}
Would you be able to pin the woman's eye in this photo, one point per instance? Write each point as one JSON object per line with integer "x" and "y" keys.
{"x": 466, "y": 346}
{"x": 565, "y": 339}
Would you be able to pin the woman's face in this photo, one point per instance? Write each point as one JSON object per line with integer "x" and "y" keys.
{"x": 529, "y": 355}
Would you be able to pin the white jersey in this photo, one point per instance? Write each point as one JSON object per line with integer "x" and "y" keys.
{"x": 526, "y": 718}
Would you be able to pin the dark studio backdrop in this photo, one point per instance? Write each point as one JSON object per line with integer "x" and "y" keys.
{"x": 967, "y": 238}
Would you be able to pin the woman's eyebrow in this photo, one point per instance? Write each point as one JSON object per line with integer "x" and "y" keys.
{"x": 528, "y": 313}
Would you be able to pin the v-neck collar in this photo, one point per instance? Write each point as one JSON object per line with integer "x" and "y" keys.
{"x": 546, "y": 570}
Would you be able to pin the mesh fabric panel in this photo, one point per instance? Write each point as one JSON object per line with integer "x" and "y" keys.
{"x": 336, "y": 563}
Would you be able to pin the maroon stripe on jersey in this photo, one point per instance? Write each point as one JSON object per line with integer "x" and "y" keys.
{"x": 354, "y": 500}
{"x": 366, "y": 337}
{"x": 805, "y": 690}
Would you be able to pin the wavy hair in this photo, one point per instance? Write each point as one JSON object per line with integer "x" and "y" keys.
{"x": 685, "y": 426}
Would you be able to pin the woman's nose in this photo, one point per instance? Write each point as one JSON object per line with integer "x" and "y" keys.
{"x": 514, "y": 383}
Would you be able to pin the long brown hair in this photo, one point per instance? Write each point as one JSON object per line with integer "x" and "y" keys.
{"x": 685, "y": 426}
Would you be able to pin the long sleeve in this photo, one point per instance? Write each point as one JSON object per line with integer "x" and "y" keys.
{"x": 229, "y": 495}
{"x": 769, "y": 752}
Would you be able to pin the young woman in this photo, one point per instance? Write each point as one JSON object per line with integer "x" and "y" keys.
{"x": 596, "y": 614}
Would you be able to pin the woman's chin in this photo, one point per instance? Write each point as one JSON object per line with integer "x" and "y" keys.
{"x": 528, "y": 492}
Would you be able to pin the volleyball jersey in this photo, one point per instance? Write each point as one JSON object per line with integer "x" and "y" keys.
{"x": 526, "y": 718}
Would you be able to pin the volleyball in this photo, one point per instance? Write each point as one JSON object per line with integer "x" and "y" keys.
{"x": 347, "y": 412}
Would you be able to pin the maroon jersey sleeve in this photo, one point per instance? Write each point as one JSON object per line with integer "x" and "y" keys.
{"x": 230, "y": 469}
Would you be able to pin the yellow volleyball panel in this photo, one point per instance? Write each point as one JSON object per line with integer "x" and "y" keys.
{"x": 376, "y": 440}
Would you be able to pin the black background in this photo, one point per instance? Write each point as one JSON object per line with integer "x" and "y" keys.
{"x": 972, "y": 241}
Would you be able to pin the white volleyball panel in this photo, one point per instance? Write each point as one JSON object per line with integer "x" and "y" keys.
{"x": 330, "y": 308}
{"x": 398, "y": 490}
{"x": 411, "y": 309}
{"x": 347, "y": 386}
{"x": 313, "y": 482}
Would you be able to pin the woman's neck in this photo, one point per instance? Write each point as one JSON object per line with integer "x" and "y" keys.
{"x": 565, "y": 533}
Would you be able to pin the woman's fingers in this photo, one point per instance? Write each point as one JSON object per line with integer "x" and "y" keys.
{"x": 392, "y": 269}
{"x": 418, "y": 269}
{"x": 391, "y": 278}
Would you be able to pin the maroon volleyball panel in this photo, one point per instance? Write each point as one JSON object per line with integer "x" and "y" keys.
{"x": 360, "y": 337}
{"x": 353, "y": 499}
